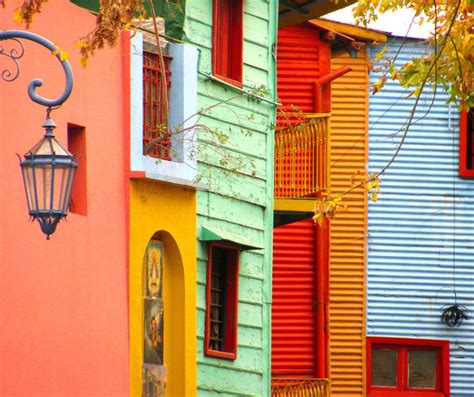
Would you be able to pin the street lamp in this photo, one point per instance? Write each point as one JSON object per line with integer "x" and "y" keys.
{"x": 48, "y": 168}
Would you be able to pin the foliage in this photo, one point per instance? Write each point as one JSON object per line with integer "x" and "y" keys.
{"x": 451, "y": 63}
{"x": 113, "y": 16}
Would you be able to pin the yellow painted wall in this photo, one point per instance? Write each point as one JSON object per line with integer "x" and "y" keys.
{"x": 349, "y": 124}
{"x": 170, "y": 211}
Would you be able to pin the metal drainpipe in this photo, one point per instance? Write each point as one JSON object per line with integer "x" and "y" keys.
{"x": 322, "y": 255}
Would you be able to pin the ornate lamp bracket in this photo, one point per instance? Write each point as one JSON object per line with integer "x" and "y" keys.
{"x": 16, "y": 53}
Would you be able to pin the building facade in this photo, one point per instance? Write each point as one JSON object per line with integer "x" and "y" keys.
{"x": 64, "y": 302}
{"x": 420, "y": 242}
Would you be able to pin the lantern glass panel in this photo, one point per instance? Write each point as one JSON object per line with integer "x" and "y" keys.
{"x": 43, "y": 186}
{"x": 64, "y": 177}
{"x": 28, "y": 181}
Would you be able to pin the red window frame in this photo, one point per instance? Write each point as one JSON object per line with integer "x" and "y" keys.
{"x": 403, "y": 346}
{"x": 466, "y": 143}
{"x": 154, "y": 111}
{"x": 228, "y": 40}
{"x": 230, "y": 300}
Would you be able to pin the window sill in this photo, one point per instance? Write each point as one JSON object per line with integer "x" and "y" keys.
{"x": 411, "y": 393}
{"x": 219, "y": 354}
{"x": 178, "y": 173}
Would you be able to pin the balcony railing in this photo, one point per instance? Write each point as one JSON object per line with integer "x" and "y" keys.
{"x": 302, "y": 156}
{"x": 300, "y": 387}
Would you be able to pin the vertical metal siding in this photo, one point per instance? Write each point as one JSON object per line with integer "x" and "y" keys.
{"x": 293, "y": 338}
{"x": 301, "y": 60}
{"x": 349, "y": 116}
{"x": 412, "y": 234}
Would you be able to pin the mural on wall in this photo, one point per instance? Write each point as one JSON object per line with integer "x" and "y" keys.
{"x": 154, "y": 372}
{"x": 154, "y": 380}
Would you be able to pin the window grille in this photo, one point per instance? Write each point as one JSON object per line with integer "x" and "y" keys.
{"x": 155, "y": 109}
{"x": 220, "y": 338}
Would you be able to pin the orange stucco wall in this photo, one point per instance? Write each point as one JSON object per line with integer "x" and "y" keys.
{"x": 63, "y": 302}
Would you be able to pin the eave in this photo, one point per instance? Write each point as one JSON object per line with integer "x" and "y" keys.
{"x": 356, "y": 32}
{"x": 293, "y": 12}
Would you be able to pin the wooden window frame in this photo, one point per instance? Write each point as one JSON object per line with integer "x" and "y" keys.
{"x": 464, "y": 138}
{"x": 229, "y": 351}
{"x": 228, "y": 40}
{"x": 154, "y": 111}
{"x": 403, "y": 346}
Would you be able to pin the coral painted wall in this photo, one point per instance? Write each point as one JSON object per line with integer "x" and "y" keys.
{"x": 63, "y": 302}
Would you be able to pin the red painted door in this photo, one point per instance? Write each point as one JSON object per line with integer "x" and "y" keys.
{"x": 293, "y": 320}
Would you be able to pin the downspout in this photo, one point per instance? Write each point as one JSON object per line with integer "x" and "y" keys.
{"x": 323, "y": 233}
{"x": 319, "y": 83}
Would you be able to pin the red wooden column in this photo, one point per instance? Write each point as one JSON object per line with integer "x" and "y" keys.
{"x": 321, "y": 305}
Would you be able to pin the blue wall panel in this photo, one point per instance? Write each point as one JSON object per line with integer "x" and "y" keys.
{"x": 422, "y": 226}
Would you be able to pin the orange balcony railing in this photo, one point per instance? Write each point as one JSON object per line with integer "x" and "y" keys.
{"x": 300, "y": 387}
{"x": 302, "y": 157}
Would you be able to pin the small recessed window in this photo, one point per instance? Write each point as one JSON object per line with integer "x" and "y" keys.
{"x": 221, "y": 301}
{"x": 227, "y": 40}
{"x": 466, "y": 143}
{"x": 76, "y": 144}
{"x": 400, "y": 367}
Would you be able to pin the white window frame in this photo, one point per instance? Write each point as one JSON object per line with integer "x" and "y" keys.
{"x": 182, "y": 168}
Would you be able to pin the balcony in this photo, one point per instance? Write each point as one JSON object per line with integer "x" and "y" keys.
{"x": 302, "y": 158}
{"x": 300, "y": 387}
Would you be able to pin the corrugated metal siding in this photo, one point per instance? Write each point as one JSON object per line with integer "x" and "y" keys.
{"x": 293, "y": 337}
{"x": 349, "y": 115}
{"x": 413, "y": 237}
{"x": 301, "y": 59}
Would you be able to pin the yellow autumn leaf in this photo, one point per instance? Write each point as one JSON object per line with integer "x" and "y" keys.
{"x": 17, "y": 17}
{"x": 373, "y": 197}
{"x": 83, "y": 61}
{"x": 55, "y": 52}
{"x": 64, "y": 56}
{"x": 127, "y": 26}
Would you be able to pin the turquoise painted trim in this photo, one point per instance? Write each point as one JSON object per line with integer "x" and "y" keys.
{"x": 214, "y": 234}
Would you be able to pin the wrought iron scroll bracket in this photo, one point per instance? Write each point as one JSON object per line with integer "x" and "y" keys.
{"x": 15, "y": 54}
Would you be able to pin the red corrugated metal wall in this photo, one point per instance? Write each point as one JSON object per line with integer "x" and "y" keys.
{"x": 302, "y": 58}
{"x": 293, "y": 333}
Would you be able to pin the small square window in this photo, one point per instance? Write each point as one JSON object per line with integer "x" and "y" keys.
{"x": 400, "y": 367}
{"x": 221, "y": 301}
{"x": 466, "y": 143}
{"x": 227, "y": 40}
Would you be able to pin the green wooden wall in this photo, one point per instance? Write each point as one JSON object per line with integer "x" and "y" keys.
{"x": 239, "y": 201}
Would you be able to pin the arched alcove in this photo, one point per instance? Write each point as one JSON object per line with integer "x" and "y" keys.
{"x": 163, "y": 319}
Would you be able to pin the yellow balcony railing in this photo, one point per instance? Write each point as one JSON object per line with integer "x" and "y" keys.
{"x": 300, "y": 387}
{"x": 302, "y": 157}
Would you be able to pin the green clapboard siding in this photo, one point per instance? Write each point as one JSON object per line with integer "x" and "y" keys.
{"x": 239, "y": 200}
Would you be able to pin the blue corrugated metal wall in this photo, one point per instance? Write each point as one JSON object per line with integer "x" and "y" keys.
{"x": 414, "y": 238}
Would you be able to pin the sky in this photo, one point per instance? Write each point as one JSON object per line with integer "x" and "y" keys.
{"x": 398, "y": 23}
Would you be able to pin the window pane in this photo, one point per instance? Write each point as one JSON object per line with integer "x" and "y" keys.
{"x": 422, "y": 369}
{"x": 218, "y": 303}
{"x": 384, "y": 367}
